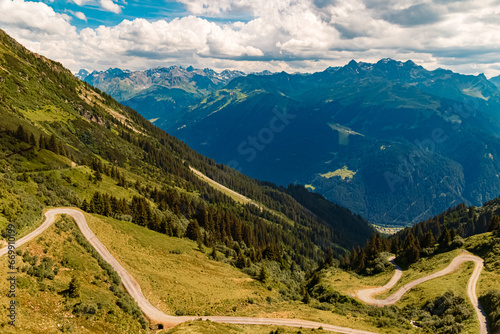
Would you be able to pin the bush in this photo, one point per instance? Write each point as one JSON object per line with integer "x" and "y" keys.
{"x": 457, "y": 242}
{"x": 491, "y": 304}
{"x": 74, "y": 288}
{"x": 43, "y": 270}
{"x": 84, "y": 309}
{"x": 445, "y": 314}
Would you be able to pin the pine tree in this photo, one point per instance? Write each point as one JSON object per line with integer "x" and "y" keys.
{"x": 97, "y": 176}
{"x": 411, "y": 249}
{"x": 427, "y": 240}
{"x": 21, "y": 134}
{"x": 240, "y": 260}
{"x": 41, "y": 142}
{"x": 202, "y": 215}
{"x": 494, "y": 224}
{"x": 193, "y": 230}
{"x": 307, "y": 298}
{"x": 96, "y": 205}
{"x": 445, "y": 239}
{"x": 214, "y": 253}
{"x": 32, "y": 140}
{"x": 263, "y": 275}
{"x": 74, "y": 288}
{"x": 85, "y": 205}
{"x": 52, "y": 146}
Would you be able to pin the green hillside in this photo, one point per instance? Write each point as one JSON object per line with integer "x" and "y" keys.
{"x": 440, "y": 305}
{"x": 45, "y": 301}
{"x": 63, "y": 143}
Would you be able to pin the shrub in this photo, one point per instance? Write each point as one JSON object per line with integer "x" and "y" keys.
{"x": 83, "y": 309}
{"x": 491, "y": 304}
{"x": 445, "y": 314}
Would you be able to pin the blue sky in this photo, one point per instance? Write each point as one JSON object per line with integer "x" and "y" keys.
{"x": 256, "y": 35}
{"x": 129, "y": 10}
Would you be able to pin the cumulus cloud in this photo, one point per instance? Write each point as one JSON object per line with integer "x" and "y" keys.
{"x": 110, "y": 6}
{"x": 34, "y": 19}
{"x": 80, "y": 16}
{"x": 291, "y": 35}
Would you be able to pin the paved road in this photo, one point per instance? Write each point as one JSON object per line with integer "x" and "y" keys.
{"x": 368, "y": 295}
{"x": 155, "y": 315}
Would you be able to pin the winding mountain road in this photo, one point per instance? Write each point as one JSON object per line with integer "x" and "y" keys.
{"x": 156, "y": 316}
{"x": 368, "y": 295}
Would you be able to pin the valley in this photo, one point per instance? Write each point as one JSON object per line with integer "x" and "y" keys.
{"x": 391, "y": 141}
{"x": 143, "y": 234}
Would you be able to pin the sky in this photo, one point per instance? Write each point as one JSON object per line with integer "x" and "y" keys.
{"x": 257, "y": 35}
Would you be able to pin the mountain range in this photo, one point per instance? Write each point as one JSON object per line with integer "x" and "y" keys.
{"x": 155, "y": 230}
{"x": 391, "y": 141}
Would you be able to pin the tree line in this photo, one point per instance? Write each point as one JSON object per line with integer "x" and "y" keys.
{"x": 441, "y": 233}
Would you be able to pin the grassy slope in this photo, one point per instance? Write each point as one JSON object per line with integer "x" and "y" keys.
{"x": 349, "y": 283}
{"x": 486, "y": 246}
{"x": 75, "y": 178}
{"x": 49, "y": 311}
{"x": 206, "y": 327}
{"x": 423, "y": 268}
{"x": 186, "y": 283}
{"x": 193, "y": 284}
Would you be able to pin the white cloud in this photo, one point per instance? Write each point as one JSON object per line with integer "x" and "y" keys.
{"x": 291, "y": 35}
{"x": 80, "y": 16}
{"x": 80, "y": 2}
{"x": 110, "y": 6}
{"x": 34, "y": 19}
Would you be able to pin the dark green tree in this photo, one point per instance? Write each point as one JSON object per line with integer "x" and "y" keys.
{"x": 446, "y": 239}
{"x": 193, "y": 230}
{"x": 53, "y": 145}
{"x": 427, "y": 240}
{"x": 74, "y": 288}
{"x": 32, "y": 140}
{"x": 411, "y": 249}
{"x": 263, "y": 275}
{"x": 307, "y": 298}
{"x": 214, "y": 253}
{"x": 494, "y": 224}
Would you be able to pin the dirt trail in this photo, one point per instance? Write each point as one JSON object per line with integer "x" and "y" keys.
{"x": 152, "y": 313}
{"x": 240, "y": 197}
{"x": 368, "y": 295}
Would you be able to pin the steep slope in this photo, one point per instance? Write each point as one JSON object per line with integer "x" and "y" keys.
{"x": 391, "y": 141}
{"x": 434, "y": 294}
{"x": 46, "y": 303}
{"x": 66, "y": 144}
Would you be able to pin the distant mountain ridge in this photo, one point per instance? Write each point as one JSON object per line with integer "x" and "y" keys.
{"x": 391, "y": 140}
{"x": 130, "y": 83}
{"x": 82, "y": 74}
{"x": 496, "y": 81}
{"x": 160, "y": 93}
